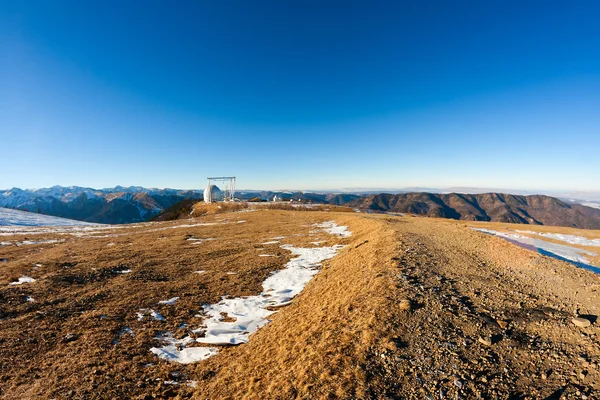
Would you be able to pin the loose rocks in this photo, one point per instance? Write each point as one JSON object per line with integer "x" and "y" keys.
{"x": 405, "y": 305}
{"x": 581, "y": 322}
{"x": 486, "y": 340}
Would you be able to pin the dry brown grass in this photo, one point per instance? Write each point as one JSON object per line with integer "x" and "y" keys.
{"x": 318, "y": 346}
{"x": 326, "y": 344}
{"x": 78, "y": 290}
{"x": 201, "y": 208}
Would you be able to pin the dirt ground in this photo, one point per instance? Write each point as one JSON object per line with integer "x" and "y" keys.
{"x": 410, "y": 308}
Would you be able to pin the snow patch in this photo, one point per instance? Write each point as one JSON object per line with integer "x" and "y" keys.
{"x": 231, "y": 321}
{"x": 22, "y": 280}
{"x": 125, "y": 330}
{"x": 10, "y": 217}
{"x": 562, "y": 252}
{"x": 30, "y": 242}
{"x": 153, "y": 314}
{"x": 176, "y": 350}
{"x": 332, "y": 228}
{"x": 571, "y": 239}
{"x": 169, "y": 302}
{"x": 249, "y": 314}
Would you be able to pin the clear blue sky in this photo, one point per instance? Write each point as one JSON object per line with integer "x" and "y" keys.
{"x": 300, "y": 94}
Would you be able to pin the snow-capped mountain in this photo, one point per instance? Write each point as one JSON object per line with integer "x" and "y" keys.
{"x": 110, "y": 206}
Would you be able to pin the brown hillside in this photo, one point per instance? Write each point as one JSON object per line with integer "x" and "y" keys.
{"x": 497, "y": 207}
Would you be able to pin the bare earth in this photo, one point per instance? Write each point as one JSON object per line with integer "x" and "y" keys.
{"x": 410, "y": 308}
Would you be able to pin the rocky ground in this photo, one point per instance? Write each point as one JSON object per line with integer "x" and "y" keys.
{"x": 479, "y": 318}
{"x": 410, "y": 308}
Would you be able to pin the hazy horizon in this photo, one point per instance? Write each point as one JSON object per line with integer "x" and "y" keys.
{"x": 578, "y": 195}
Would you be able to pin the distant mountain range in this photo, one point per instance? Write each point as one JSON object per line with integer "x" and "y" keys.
{"x": 498, "y": 207}
{"x": 121, "y": 205}
{"x": 117, "y": 205}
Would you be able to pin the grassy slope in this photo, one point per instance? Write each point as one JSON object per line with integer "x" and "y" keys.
{"x": 344, "y": 336}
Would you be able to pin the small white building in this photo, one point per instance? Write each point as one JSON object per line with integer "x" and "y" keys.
{"x": 212, "y": 193}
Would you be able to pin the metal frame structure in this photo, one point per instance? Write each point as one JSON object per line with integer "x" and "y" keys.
{"x": 229, "y": 189}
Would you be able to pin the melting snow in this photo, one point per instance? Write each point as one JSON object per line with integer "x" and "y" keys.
{"x": 572, "y": 239}
{"x": 94, "y": 230}
{"x": 232, "y": 321}
{"x": 250, "y": 313}
{"x": 199, "y": 272}
{"x": 30, "y": 299}
{"x": 175, "y": 350}
{"x": 12, "y": 217}
{"x": 29, "y": 242}
{"x": 169, "y": 302}
{"x": 266, "y": 255}
{"x": 199, "y": 240}
{"x": 334, "y": 229}
{"x": 153, "y": 314}
{"x": 271, "y": 242}
{"x": 22, "y": 280}
{"x": 566, "y": 253}
{"x": 125, "y": 330}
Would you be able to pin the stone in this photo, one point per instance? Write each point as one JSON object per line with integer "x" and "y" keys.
{"x": 487, "y": 340}
{"x": 405, "y": 305}
{"x": 502, "y": 324}
{"x": 581, "y": 322}
{"x": 69, "y": 337}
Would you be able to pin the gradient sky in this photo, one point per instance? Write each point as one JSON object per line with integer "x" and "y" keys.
{"x": 300, "y": 94}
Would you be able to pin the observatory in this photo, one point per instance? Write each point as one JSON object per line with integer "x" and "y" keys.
{"x": 213, "y": 193}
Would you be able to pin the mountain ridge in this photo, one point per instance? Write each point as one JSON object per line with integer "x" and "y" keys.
{"x": 137, "y": 204}
{"x": 110, "y": 206}
{"x": 497, "y": 207}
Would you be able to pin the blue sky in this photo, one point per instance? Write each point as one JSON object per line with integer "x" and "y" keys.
{"x": 300, "y": 94}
